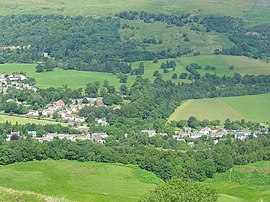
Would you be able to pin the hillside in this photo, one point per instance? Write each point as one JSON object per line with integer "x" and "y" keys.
{"x": 59, "y": 77}
{"x": 244, "y": 183}
{"x": 254, "y": 108}
{"x": 250, "y": 9}
{"x": 77, "y": 181}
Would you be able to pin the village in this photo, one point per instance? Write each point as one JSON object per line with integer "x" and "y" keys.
{"x": 16, "y": 81}
{"x": 216, "y": 134}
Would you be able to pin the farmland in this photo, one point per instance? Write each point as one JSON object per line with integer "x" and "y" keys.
{"x": 254, "y": 108}
{"x": 79, "y": 181}
{"x": 23, "y": 120}
{"x": 244, "y": 183}
{"x": 59, "y": 77}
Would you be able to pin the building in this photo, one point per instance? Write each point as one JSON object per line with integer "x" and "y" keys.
{"x": 150, "y": 133}
{"x": 33, "y": 133}
{"x": 99, "y": 137}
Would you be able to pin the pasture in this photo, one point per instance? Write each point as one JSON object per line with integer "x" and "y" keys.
{"x": 243, "y": 65}
{"x": 76, "y": 181}
{"x": 253, "y": 107}
{"x": 24, "y": 120}
{"x": 249, "y": 10}
{"x": 248, "y": 183}
{"x": 58, "y": 77}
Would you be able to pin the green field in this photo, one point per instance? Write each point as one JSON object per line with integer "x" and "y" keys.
{"x": 248, "y": 183}
{"x": 255, "y": 108}
{"x": 9, "y": 195}
{"x": 59, "y": 77}
{"x": 237, "y": 8}
{"x": 23, "y": 120}
{"x": 78, "y": 181}
{"x": 243, "y": 65}
{"x": 172, "y": 37}
{"x": 77, "y": 79}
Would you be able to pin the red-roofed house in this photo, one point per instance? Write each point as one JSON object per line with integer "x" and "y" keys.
{"x": 60, "y": 103}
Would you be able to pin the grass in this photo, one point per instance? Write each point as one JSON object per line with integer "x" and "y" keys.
{"x": 243, "y": 65}
{"x": 10, "y": 195}
{"x": 59, "y": 77}
{"x": 172, "y": 37}
{"x": 254, "y": 107}
{"x": 76, "y": 181}
{"x": 238, "y": 8}
{"x": 78, "y": 79}
{"x": 23, "y": 120}
{"x": 244, "y": 183}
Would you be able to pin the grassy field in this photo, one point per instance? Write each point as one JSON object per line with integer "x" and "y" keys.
{"x": 9, "y": 195}
{"x": 22, "y": 120}
{"x": 254, "y": 108}
{"x": 77, "y": 181}
{"x": 172, "y": 37}
{"x": 251, "y": 12}
{"x": 248, "y": 183}
{"x": 59, "y": 77}
{"x": 243, "y": 65}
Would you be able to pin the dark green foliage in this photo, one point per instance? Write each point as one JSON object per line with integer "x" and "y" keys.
{"x": 177, "y": 20}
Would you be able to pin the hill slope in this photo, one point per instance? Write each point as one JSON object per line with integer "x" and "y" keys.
{"x": 250, "y": 10}
{"x": 255, "y": 108}
{"x": 244, "y": 183}
{"x": 77, "y": 181}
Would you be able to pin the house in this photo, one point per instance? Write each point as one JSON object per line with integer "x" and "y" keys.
{"x": 196, "y": 135}
{"x": 150, "y": 133}
{"x": 191, "y": 144}
{"x": 60, "y": 103}
{"x": 117, "y": 107}
{"x": 99, "y": 137}
{"x": 103, "y": 122}
{"x": 33, "y": 113}
{"x": 2, "y": 78}
{"x": 206, "y": 131}
{"x": 163, "y": 134}
{"x": 84, "y": 129}
{"x": 187, "y": 130}
{"x": 33, "y": 133}
{"x": 13, "y": 136}
{"x": 241, "y": 135}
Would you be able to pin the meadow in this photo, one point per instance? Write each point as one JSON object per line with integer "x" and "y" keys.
{"x": 24, "y": 120}
{"x": 253, "y": 107}
{"x": 238, "y": 8}
{"x": 58, "y": 77}
{"x": 243, "y": 65}
{"x": 76, "y": 181}
{"x": 243, "y": 183}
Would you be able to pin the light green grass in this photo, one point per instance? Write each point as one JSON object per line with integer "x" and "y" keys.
{"x": 172, "y": 37}
{"x": 9, "y": 195}
{"x": 105, "y": 7}
{"x": 254, "y": 108}
{"x": 23, "y": 120}
{"x": 244, "y": 183}
{"x": 59, "y": 77}
{"x": 237, "y": 8}
{"x": 76, "y": 181}
{"x": 243, "y": 65}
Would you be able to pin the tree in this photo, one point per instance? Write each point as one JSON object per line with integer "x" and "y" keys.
{"x": 174, "y": 76}
{"x": 123, "y": 78}
{"x": 180, "y": 190}
{"x": 123, "y": 89}
{"x": 91, "y": 90}
{"x": 183, "y": 75}
{"x": 39, "y": 68}
{"x": 156, "y": 73}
